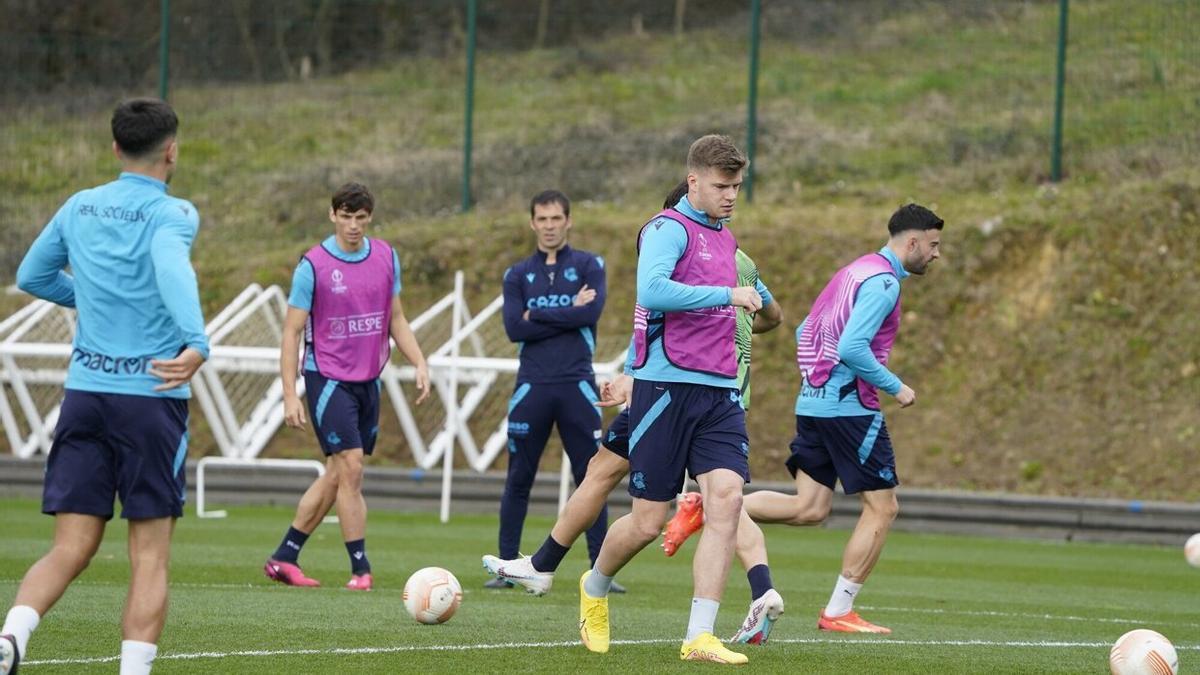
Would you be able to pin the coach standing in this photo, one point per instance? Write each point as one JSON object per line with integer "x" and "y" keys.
{"x": 552, "y": 302}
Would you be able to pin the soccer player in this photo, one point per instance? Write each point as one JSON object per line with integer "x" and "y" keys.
{"x": 842, "y": 350}
{"x": 552, "y": 302}
{"x": 685, "y": 411}
{"x": 139, "y": 339}
{"x": 345, "y": 301}
{"x": 611, "y": 464}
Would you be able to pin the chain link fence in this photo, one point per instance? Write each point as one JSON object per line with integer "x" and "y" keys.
{"x": 282, "y": 100}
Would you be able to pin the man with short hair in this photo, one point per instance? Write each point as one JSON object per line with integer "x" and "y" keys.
{"x": 552, "y": 303}
{"x": 139, "y": 339}
{"x": 611, "y": 464}
{"x": 345, "y": 301}
{"x": 842, "y": 350}
{"x": 685, "y": 413}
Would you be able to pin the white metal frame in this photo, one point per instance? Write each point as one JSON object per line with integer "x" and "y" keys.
{"x": 242, "y": 441}
{"x": 206, "y": 462}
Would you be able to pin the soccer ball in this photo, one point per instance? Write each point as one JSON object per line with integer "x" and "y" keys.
{"x": 1143, "y": 652}
{"x": 432, "y": 595}
{"x": 1191, "y": 550}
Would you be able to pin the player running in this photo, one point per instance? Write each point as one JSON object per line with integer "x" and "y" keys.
{"x": 685, "y": 413}
{"x": 611, "y": 464}
{"x": 842, "y": 351}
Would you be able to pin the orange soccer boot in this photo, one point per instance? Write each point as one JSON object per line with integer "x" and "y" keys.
{"x": 688, "y": 519}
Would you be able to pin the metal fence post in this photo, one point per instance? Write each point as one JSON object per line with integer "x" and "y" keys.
{"x": 164, "y": 50}
{"x": 1059, "y": 87}
{"x": 470, "y": 106}
{"x": 752, "y": 99}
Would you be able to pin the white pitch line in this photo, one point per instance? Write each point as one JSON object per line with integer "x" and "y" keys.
{"x": 575, "y": 643}
{"x": 1026, "y": 615}
{"x": 923, "y": 610}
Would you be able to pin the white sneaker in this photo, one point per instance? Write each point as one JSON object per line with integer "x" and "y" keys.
{"x": 519, "y": 571}
{"x": 762, "y": 615}
{"x": 9, "y": 658}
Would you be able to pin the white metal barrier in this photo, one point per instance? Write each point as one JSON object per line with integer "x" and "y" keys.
{"x": 206, "y": 462}
{"x": 240, "y": 392}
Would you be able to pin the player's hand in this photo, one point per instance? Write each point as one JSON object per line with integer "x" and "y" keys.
{"x": 178, "y": 371}
{"x": 906, "y": 396}
{"x": 293, "y": 412}
{"x": 584, "y": 296}
{"x": 615, "y": 392}
{"x": 746, "y": 297}
{"x": 422, "y": 383}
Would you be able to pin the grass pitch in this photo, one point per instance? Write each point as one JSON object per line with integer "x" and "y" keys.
{"x": 955, "y": 603}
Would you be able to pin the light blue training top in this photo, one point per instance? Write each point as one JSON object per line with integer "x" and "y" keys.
{"x": 304, "y": 281}
{"x": 128, "y": 244}
{"x": 661, "y": 248}
{"x": 876, "y": 299}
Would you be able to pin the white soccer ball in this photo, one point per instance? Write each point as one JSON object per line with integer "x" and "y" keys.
{"x": 432, "y": 595}
{"x": 1191, "y": 550}
{"x": 1143, "y": 652}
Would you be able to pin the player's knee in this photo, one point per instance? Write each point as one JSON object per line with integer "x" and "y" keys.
{"x": 647, "y": 526}
{"x": 883, "y": 510}
{"x": 148, "y": 561}
{"x": 810, "y": 513}
{"x": 647, "y": 530}
{"x": 73, "y": 556}
{"x": 723, "y": 502}
{"x": 602, "y": 472}
{"x": 516, "y": 488}
{"x": 350, "y": 480}
{"x": 350, "y": 475}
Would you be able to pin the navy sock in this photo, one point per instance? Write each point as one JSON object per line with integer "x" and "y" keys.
{"x": 549, "y": 556}
{"x": 760, "y": 581}
{"x": 358, "y": 556}
{"x": 289, "y": 548}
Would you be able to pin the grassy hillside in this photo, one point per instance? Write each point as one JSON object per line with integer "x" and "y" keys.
{"x": 1053, "y": 348}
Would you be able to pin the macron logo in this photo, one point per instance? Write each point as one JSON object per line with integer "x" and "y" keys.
{"x": 887, "y": 284}
{"x": 530, "y": 277}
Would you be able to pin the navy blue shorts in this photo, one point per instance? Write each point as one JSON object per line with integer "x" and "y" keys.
{"x": 345, "y": 415}
{"x": 680, "y": 427}
{"x": 109, "y": 445}
{"x": 856, "y": 450}
{"x": 616, "y": 439}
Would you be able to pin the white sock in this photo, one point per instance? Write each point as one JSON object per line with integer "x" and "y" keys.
{"x": 137, "y": 657}
{"x": 597, "y": 584}
{"x": 842, "y": 600}
{"x": 20, "y": 623}
{"x": 703, "y": 617}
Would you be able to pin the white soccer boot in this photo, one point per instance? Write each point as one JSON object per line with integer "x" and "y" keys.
{"x": 519, "y": 571}
{"x": 759, "y": 620}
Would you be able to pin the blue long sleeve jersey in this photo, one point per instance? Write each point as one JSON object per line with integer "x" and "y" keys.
{"x": 128, "y": 244}
{"x": 304, "y": 282}
{"x": 876, "y": 298}
{"x": 663, "y": 244}
{"x": 557, "y": 343}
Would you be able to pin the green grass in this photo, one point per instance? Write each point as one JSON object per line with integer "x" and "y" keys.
{"x": 956, "y": 604}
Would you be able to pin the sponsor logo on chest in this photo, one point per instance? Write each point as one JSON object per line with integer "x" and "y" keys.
{"x": 336, "y": 285}
{"x": 360, "y": 325}
{"x": 703, "y": 254}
